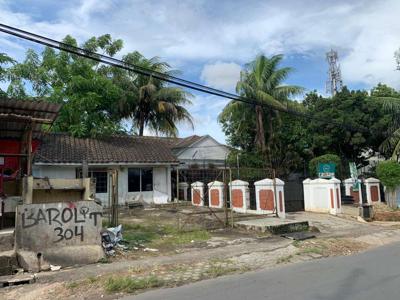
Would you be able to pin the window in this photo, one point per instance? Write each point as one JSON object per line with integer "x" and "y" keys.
{"x": 101, "y": 179}
{"x": 133, "y": 180}
{"x": 147, "y": 180}
{"x": 140, "y": 179}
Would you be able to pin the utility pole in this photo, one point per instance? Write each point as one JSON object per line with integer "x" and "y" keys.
{"x": 334, "y": 83}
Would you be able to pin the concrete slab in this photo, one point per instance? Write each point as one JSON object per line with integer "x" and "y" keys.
{"x": 6, "y": 239}
{"x": 273, "y": 225}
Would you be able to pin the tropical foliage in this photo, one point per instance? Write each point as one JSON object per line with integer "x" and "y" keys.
{"x": 150, "y": 102}
{"x": 247, "y": 126}
{"x": 97, "y": 99}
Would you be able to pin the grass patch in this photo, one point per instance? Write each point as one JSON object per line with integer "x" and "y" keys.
{"x": 72, "y": 285}
{"x": 284, "y": 259}
{"x": 314, "y": 250}
{"x": 155, "y": 235}
{"x": 129, "y": 284}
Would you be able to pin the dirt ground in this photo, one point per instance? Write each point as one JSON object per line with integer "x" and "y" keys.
{"x": 177, "y": 245}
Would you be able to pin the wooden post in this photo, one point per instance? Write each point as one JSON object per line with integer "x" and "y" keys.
{"x": 114, "y": 198}
{"x": 29, "y": 151}
{"x": 225, "y": 197}
{"x": 177, "y": 184}
{"x": 275, "y": 198}
{"x": 230, "y": 194}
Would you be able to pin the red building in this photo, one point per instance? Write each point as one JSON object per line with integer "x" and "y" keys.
{"x": 22, "y": 122}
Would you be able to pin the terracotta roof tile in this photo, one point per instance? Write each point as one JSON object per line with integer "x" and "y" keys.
{"x": 63, "y": 148}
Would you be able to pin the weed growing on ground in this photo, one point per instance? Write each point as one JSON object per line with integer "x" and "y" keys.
{"x": 129, "y": 284}
{"x": 72, "y": 285}
{"x": 157, "y": 236}
{"x": 284, "y": 259}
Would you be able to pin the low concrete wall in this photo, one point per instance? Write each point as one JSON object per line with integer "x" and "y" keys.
{"x": 58, "y": 233}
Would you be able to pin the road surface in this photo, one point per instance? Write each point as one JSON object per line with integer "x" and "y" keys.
{"x": 374, "y": 274}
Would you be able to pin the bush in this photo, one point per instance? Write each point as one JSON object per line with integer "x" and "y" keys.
{"x": 388, "y": 173}
{"x": 327, "y": 158}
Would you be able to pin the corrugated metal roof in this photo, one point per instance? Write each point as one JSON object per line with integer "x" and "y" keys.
{"x": 16, "y": 114}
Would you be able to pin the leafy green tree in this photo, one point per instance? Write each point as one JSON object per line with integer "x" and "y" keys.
{"x": 348, "y": 125}
{"x": 150, "y": 102}
{"x": 81, "y": 85}
{"x": 5, "y": 61}
{"x": 389, "y": 174}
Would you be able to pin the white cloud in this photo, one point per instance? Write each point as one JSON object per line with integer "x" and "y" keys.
{"x": 364, "y": 31}
{"x": 221, "y": 75}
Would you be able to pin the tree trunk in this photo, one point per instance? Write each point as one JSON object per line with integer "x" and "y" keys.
{"x": 271, "y": 137}
{"x": 260, "y": 133}
{"x": 391, "y": 197}
{"x": 141, "y": 125}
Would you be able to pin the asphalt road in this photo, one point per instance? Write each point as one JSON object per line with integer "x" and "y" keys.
{"x": 371, "y": 275}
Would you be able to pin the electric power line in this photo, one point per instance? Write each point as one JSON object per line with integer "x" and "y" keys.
{"x": 161, "y": 76}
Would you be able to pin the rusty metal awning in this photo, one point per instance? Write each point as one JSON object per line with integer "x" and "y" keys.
{"x": 16, "y": 115}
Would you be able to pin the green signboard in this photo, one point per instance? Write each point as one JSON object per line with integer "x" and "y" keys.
{"x": 326, "y": 170}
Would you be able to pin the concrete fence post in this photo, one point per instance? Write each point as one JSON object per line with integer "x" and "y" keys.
{"x": 372, "y": 186}
{"x": 240, "y": 201}
{"x": 322, "y": 195}
{"x": 265, "y": 198}
{"x": 216, "y": 194}
{"x": 197, "y": 191}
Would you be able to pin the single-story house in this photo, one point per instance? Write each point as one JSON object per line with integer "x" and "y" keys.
{"x": 143, "y": 163}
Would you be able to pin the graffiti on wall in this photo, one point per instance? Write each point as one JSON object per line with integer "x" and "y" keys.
{"x": 76, "y": 222}
{"x": 32, "y": 217}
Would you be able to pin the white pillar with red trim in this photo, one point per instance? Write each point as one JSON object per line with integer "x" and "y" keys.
{"x": 197, "y": 190}
{"x": 240, "y": 195}
{"x": 322, "y": 195}
{"x": 216, "y": 194}
{"x": 373, "y": 190}
{"x": 265, "y": 198}
{"x": 349, "y": 186}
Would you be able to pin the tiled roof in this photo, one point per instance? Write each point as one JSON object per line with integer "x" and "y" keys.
{"x": 186, "y": 142}
{"x": 63, "y": 148}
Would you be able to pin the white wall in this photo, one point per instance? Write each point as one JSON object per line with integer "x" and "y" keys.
{"x": 207, "y": 150}
{"x": 161, "y": 183}
{"x": 64, "y": 172}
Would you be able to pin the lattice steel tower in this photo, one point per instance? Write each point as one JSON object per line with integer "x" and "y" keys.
{"x": 334, "y": 83}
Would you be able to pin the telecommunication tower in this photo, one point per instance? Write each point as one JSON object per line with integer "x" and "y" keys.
{"x": 334, "y": 83}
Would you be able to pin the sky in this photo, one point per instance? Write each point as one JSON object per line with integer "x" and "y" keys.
{"x": 210, "y": 41}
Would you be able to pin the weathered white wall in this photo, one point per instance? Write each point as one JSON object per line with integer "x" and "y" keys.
{"x": 161, "y": 183}
{"x": 207, "y": 150}
{"x": 63, "y": 172}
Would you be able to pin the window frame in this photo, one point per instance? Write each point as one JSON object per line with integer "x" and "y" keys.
{"x": 90, "y": 175}
{"x": 141, "y": 189}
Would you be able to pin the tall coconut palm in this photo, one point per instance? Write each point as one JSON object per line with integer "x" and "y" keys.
{"x": 262, "y": 80}
{"x": 150, "y": 102}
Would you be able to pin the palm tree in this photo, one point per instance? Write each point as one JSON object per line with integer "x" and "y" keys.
{"x": 261, "y": 80}
{"x": 150, "y": 102}
{"x": 391, "y": 145}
